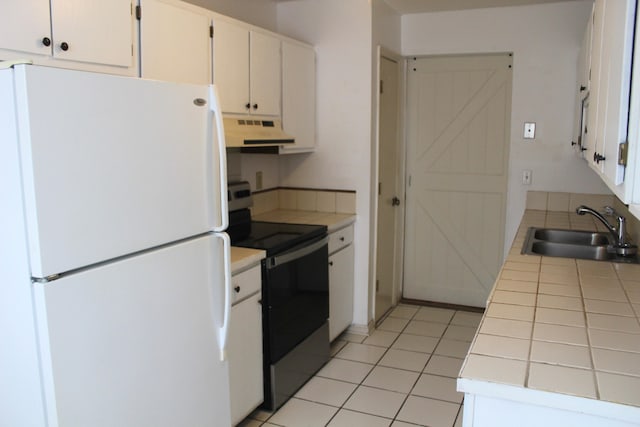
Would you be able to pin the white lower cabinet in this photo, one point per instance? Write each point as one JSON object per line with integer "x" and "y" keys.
{"x": 244, "y": 349}
{"x": 341, "y": 276}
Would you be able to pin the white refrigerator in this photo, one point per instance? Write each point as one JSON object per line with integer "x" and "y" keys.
{"x": 114, "y": 299}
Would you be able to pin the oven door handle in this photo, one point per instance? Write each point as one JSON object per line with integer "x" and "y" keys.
{"x": 279, "y": 260}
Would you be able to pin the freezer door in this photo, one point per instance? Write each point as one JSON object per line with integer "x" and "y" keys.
{"x": 134, "y": 343}
{"x": 112, "y": 165}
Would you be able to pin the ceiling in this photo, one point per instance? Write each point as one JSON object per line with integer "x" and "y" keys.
{"x": 404, "y": 7}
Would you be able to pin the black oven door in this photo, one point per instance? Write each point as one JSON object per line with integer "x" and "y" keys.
{"x": 295, "y": 296}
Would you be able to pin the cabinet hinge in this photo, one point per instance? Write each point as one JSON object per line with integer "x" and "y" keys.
{"x": 623, "y": 148}
{"x": 377, "y": 285}
{"x": 379, "y": 188}
{"x": 138, "y": 12}
{"x": 211, "y": 31}
{"x": 381, "y": 86}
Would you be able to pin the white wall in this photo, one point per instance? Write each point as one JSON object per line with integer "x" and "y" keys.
{"x": 257, "y": 12}
{"x": 545, "y": 40}
{"x": 341, "y": 32}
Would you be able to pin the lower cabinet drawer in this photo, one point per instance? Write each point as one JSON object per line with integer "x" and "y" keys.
{"x": 245, "y": 283}
{"x": 340, "y": 238}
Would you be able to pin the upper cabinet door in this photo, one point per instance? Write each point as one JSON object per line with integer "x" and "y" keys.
{"x": 25, "y": 26}
{"x": 231, "y": 66}
{"x": 93, "y": 31}
{"x": 611, "y": 76}
{"x": 175, "y": 44}
{"x": 265, "y": 78}
{"x": 299, "y": 95}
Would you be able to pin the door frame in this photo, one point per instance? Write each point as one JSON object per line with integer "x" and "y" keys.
{"x": 401, "y": 175}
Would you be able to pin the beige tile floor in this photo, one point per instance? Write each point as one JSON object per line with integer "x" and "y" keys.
{"x": 402, "y": 375}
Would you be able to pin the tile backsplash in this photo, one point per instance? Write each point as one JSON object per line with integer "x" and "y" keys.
{"x": 330, "y": 201}
{"x": 568, "y": 202}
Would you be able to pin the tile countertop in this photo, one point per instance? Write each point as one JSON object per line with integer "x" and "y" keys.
{"x": 333, "y": 221}
{"x": 243, "y": 258}
{"x": 560, "y": 332}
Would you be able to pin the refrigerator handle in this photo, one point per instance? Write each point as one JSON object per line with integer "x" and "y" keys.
{"x": 224, "y": 329}
{"x": 222, "y": 155}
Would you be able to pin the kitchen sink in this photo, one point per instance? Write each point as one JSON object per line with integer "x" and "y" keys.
{"x": 572, "y": 237}
{"x": 589, "y": 245}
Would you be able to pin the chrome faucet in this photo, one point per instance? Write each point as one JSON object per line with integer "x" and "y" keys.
{"x": 619, "y": 232}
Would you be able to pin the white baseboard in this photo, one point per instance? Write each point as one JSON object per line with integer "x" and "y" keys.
{"x": 361, "y": 329}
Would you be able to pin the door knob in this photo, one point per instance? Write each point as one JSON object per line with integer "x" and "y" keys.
{"x": 395, "y": 202}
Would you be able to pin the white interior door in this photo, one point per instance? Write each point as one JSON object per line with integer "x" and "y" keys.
{"x": 111, "y": 165}
{"x": 459, "y": 109}
{"x": 388, "y": 189}
{"x": 134, "y": 343}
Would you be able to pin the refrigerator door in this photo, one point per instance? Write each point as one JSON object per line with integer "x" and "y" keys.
{"x": 134, "y": 342}
{"x": 113, "y": 165}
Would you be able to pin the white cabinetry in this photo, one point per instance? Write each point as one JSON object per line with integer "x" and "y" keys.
{"x": 299, "y": 95}
{"x": 341, "y": 276}
{"x": 244, "y": 350}
{"x": 582, "y": 89}
{"x": 57, "y": 31}
{"x": 611, "y": 55}
{"x": 174, "y": 43}
{"x": 246, "y": 68}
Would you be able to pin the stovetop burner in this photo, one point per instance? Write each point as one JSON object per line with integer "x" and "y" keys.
{"x": 276, "y": 237}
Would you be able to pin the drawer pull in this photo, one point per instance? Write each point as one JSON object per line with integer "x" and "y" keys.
{"x": 342, "y": 239}
{"x": 237, "y": 289}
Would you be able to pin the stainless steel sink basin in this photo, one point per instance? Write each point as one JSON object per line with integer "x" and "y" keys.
{"x": 572, "y": 237}
{"x": 572, "y": 244}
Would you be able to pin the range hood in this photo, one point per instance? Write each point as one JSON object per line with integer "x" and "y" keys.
{"x": 255, "y": 132}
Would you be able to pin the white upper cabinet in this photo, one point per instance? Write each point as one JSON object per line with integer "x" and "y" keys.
{"x": 582, "y": 89}
{"x": 299, "y": 95}
{"x": 231, "y": 66}
{"x": 70, "y": 30}
{"x": 24, "y": 25}
{"x": 175, "y": 43}
{"x": 264, "y": 74}
{"x": 246, "y": 69}
{"x": 611, "y": 56}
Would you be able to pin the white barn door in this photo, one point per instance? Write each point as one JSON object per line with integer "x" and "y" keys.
{"x": 459, "y": 110}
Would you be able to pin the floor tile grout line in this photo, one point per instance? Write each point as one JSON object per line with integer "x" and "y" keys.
{"x": 387, "y": 348}
{"x": 428, "y": 360}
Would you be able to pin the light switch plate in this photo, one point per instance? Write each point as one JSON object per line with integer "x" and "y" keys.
{"x": 529, "y": 130}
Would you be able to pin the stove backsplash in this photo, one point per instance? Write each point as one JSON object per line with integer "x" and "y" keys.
{"x": 304, "y": 199}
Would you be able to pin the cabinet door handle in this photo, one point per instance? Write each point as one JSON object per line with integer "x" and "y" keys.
{"x": 395, "y": 202}
{"x": 597, "y": 157}
{"x": 46, "y": 41}
{"x": 247, "y": 105}
{"x": 64, "y": 46}
{"x": 342, "y": 239}
{"x": 255, "y": 106}
{"x": 237, "y": 289}
{"x": 331, "y": 263}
